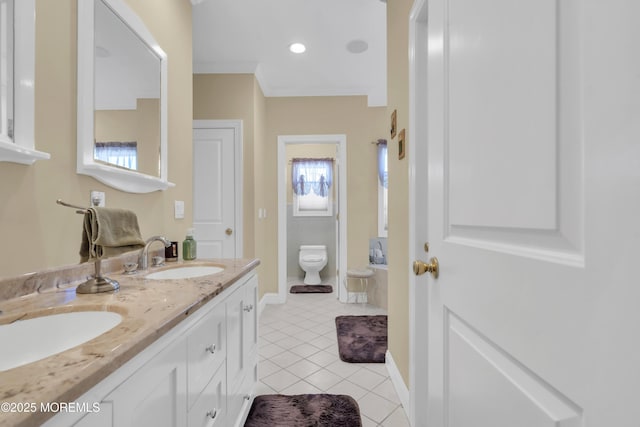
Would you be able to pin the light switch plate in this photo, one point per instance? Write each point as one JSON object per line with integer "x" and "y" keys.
{"x": 97, "y": 198}
{"x": 178, "y": 209}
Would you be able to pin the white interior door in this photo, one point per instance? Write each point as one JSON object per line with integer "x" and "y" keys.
{"x": 216, "y": 189}
{"x": 525, "y": 118}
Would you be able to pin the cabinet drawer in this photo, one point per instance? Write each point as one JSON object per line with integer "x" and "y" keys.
{"x": 206, "y": 350}
{"x": 239, "y": 401}
{"x": 210, "y": 408}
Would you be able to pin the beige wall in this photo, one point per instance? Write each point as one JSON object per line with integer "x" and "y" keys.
{"x": 398, "y": 248}
{"x": 259, "y": 167}
{"x": 235, "y": 97}
{"x": 36, "y": 232}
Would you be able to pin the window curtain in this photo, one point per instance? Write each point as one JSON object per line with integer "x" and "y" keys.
{"x": 382, "y": 163}
{"x": 123, "y": 154}
{"x": 311, "y": 174}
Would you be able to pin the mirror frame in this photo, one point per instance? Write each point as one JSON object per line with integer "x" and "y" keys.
{"x": 119, "y": 178}
{"x": 22, "y": 149}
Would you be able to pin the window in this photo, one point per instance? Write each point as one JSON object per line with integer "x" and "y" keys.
{"x": 383, "y": 184}
{"x": 311, "y": 181}
{"x": 123, "y": 154}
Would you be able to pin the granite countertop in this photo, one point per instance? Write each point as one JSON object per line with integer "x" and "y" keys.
{"x": 149, "y": 309}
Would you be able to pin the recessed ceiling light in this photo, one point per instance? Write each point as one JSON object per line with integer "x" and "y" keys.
{"x": 357, "y": 46}
{"x": 297, "y": 47}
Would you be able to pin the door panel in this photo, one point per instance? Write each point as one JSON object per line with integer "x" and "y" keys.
{"x": 214, "y": 192}
{"x": 513, "y": 166}
{"x": 489, "y": 385}
{"x": 495, "y": 42}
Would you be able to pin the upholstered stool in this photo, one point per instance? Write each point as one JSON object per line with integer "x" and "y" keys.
{"x": 362, "y": 275}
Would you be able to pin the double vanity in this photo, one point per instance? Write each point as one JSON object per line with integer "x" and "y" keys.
{"x": 176, "y": 345}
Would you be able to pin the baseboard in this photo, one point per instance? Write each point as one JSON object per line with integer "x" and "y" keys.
{"x": 270, "y": 298}
{"x": 398, "y": 382}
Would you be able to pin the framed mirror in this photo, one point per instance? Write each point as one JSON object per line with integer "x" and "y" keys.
{"x": 122, "y": 99}
{"x": 17, "y": 82}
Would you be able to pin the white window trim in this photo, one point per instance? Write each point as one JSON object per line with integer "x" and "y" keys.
{"x": 382, "y": 231}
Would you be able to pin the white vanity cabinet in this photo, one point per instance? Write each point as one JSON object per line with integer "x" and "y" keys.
{"x": 201, "y": 373}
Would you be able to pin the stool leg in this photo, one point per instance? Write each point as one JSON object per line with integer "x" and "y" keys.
{"x": 346, "y": 287}
{"x": 364, "y": 291}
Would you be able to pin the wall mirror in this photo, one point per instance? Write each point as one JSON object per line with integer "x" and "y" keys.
{"x": 122, "y": 99}
{"x": 17, "y": 69}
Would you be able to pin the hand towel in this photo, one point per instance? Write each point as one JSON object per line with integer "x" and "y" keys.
{"x": 108, "y": 232}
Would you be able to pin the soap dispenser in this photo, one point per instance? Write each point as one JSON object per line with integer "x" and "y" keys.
{"x": 189, "y": 246}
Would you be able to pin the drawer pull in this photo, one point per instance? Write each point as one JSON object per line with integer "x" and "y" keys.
{"x": 248, "y": 308}
{"x": 212, "y": 414}
{"x": 211, "y": 349}
{"x": 247, "y": 397}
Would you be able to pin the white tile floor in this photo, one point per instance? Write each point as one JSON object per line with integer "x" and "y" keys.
{"x": 299, "y": 354}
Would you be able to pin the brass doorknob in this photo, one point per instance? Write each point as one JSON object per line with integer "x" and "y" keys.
{"x": 229, "y": 231}
{"x": 420, "y": 267}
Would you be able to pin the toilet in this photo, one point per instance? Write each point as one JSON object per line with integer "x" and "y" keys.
{"x": 312, "y": 259}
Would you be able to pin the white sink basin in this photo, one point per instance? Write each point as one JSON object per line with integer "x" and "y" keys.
{"x": 26, "y": 341}
{"x": 185, "y": 272}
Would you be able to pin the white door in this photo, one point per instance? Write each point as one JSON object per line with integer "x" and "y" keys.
{"x": 216, "y": 189}
{"x": 526, "y": 122}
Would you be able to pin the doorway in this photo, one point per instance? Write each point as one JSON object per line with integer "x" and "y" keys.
{"x": 340, "y": 209}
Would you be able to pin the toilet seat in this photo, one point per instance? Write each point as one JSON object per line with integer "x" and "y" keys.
{"x": 312, "y": 258}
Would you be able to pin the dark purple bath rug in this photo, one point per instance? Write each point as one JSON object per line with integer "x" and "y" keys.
{"x": 362, "y": 339}
{"x": 304, "y": 410}
{"x": 311, "y": 289}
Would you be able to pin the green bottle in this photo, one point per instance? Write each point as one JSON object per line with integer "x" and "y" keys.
{"x": 189, "y": 247}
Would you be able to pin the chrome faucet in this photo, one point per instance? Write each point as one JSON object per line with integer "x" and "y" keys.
{"x": 143, "y": 260}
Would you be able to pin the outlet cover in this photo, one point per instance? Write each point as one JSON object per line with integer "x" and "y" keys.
{"x": 97, "y": 198}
